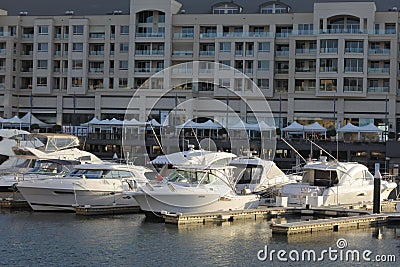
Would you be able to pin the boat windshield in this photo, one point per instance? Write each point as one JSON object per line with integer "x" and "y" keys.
{"x": 248, "y": 174}
{"x": 49, "y": 168}
{"x": 100, "y": 174}
{"x": 194, "y": 177}
{"x": 324, "y": 178}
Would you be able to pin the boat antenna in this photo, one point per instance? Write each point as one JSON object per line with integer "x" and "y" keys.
{"x": 312, "y": 142}
{"x": 297, "y": 152}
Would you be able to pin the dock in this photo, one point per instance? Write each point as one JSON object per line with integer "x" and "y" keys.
{"x": 11, "y": 204}
{"x": 88, "y": 210}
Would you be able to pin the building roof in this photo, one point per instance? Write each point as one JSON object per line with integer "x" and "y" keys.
{"x": 101, "y": 7}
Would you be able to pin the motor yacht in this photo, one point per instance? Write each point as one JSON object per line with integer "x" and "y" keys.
{"x": 193, "y": 189}
{"x": 259, "y": 176}
{"x": 333, "y": 183}
{"x": 87, "y": 184}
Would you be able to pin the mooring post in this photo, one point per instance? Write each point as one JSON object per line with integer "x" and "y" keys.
{"x": 377, "y": 190}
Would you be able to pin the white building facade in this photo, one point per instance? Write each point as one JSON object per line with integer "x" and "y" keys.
{"x": 326, "y": 61}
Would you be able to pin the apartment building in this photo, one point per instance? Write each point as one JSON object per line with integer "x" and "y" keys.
{"x": 328, "y": 61}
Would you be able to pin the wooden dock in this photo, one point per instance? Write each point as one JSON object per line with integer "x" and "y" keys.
{"x": 332, "y": 224}
{"x": 11, "y": 205}
{"x": 221, "y": 216}
{"x": 88, "y": 210}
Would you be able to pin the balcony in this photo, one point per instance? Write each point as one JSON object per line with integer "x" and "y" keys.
{"x": 96, "y": 52}
{"x": 353, "y": 69}
{"x": 3, "y": 51}
{"x": 182, "y": 53}
{"x": 27, "y": 53}
{"x": 331, "y": 50}
{"x": 379, "y": 51}
{"x": 307, "y": 51}
{"x": 249, "y": 52}
{"x": 282, "y": 71}
{"x": 282, "y": 34}
{"x": 2, "y": 69}
{"x": 248, "y": 70}
{"x": 208, "y": 35}
{"x": 97, "y": 35}
{"x": 2, "y": 86}
{"x": 354, "y": 50}
{"x": 378, "y": 70}
{"x": 305, "y": 69}
{"x": 282, "y": 53}
{"x": 150, "y": 34}
{"x": 183, "y": 35}
{"x": 328, "y": 69}
{"x": 378, "y": 89}
{"x": 305, "y": 88}
{"x": 148, "y": 70}
{"x": 350, "y": 88}
{"x": 96, "y": 70}
{"x": 26, "y": 69}
{"x": 27, "y": 35}
{"x": 177, "y": 70}
{"x": 149, "y": 52}
{"x": 207, "y": 53}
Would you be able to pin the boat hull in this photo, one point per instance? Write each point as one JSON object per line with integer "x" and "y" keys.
{"x": 65, "y": 199}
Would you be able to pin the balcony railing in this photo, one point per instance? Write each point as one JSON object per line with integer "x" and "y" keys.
{"x": 27, "y": 35}
{"x": 304, "y": 88}
{"x": 379, "y": 51}
{"x": 282, "y": 53}
{"x": 354, "y": 50}
{"x": 327, "y": 69}
{"x": 3, "y": 51}
{"x": 378, "y": 70}
{"x": 149, "y": 52}
{"x": 281, "y": 71}
{"x": 147, "y": 70}
{"x": 96, "y": 52}
{"x": 96, "y": 70}
{"x": 97, "y": 35}
{"x": 306, "y": 51}
{"x": 329, "y": 50}
{"x": 207, "y": 53}
{"x": 353, "y": 69}
{"x": 349, "y": 88}
{"x": 208, "y": 35}
{"x": 378, "y": 89}
{"x": 187, "y": 35}
{"x": 150, "y": 34}
{"x": 182, "y": 53}
{"x": 306, "y": 69}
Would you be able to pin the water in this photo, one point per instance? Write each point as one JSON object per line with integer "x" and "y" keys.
{"x": 64, "y": 239}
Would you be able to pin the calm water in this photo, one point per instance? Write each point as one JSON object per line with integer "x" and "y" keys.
{"x": 47, "y": 239}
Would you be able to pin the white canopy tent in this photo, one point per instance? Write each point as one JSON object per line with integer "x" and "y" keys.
{"x": 315, "y": 128}
{"x": 352, "y": 129}
{"x": 30, "y": 119}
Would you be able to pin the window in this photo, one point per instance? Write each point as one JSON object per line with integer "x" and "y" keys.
{"x": 77, "y": 47}
{"x": 76, "y": 81}
{"x": 43, "y": 30}
{"x": 328, "y": 85}
{"x": 353, "y": 85}
{"x": 225, "y": 47}
{"x": 354, "y": 47}
{"x": 124, "y": 47}
{"x": 328, "y": 65}
{"x": 305, "y": 28}
{"x": 274, "y": 8}
{"x": 227, "y": 8}
{"x": 41, "y": 81}
{"x": 263, "y": 83}
{"x": 390, "y": 28}
{"x": 77, "y": 29}
{"x": 123, "y": 64}
{"x": 264, "y": 47}
{"x": 123, "y": 83}
{"x": 353, "y": 65}
{"x": 224, "y": 64}
{"x": 42, "y": 64}
{"x": 226, "y": 82}
{"x": 43, "y": 47}
{"x": 77, "y": 64}
{"x": 145, "y": 17}
{"x": 263, "y": 65}
{"x": 124, "y": 30}
{"x": 329, "y": 46}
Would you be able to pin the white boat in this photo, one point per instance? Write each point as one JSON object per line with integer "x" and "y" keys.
{"x": 259, "y": 176}
{"x": 194, "y": 189}
{"x": 333, "y": 183}
{"x": 87, "y": 184}
{"x": 54, "y": 158}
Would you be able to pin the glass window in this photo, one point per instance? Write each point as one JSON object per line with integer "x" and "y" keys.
{"x": 124, "y": 47}
{"x": 41, "y": 81}
{"x": 225, "y": 47}
{"x": 124, "y": 30}
{"x": 328, "y": 85}
{"x": 43, "y": 30}
{"x": 43, "y": 47}
{"x": 77, "y": 47}
{"x": 77, "y": 64}
{"x": 42, "y": 64}
{"x": 263, "y": 83}
{"x": 123, "y": 83}
{"x": 77, "y": 29}
{"x": 123, "y": 64}
{"x": 76, "y": 81}
{"x": 264, "y": 47}
{"x": 263, "y": 65}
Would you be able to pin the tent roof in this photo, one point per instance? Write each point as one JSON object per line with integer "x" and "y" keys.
{"x": 265, "y": 127}
{"x": 315, "y": 127}
{"x": 31, "y": 119}
{"x": 196, "y": 125}
{"x": 92, "y": 121}
{"x": 294, "y": 127}
{"x": 370, "y": 128}
{"x": 153, "y": 122}
{"x": 349, "y": 128}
